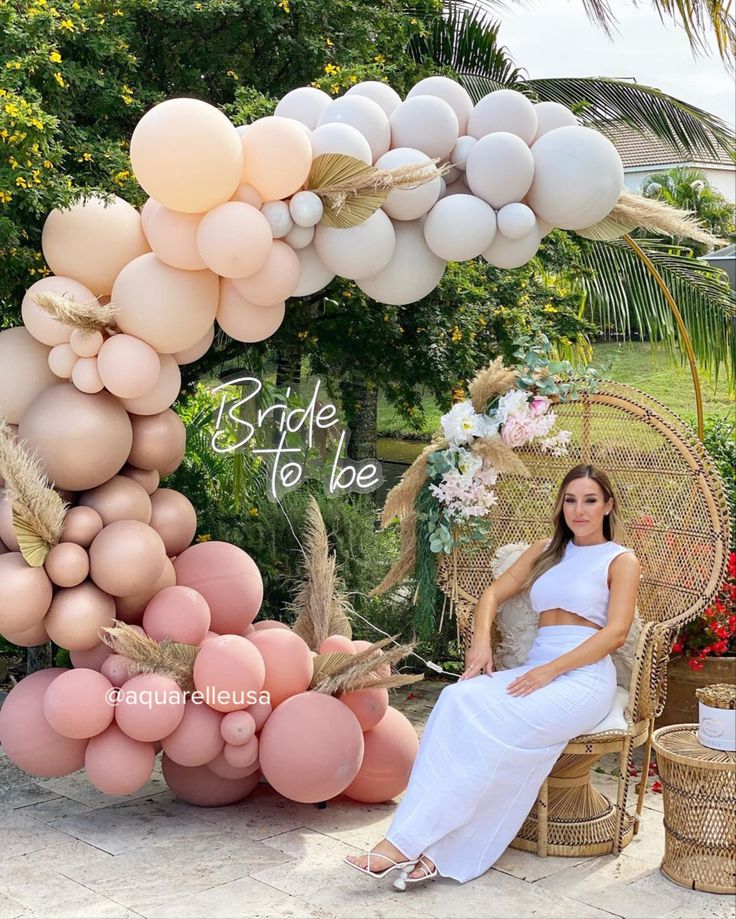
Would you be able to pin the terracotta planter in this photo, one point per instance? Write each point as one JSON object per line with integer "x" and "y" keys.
{"x": 681, "y": 706}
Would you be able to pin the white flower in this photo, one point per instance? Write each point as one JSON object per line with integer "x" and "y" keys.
{"x": 468, "y": 463}
{"x": 461, "y": 424}
{"x": 514, "y": 402}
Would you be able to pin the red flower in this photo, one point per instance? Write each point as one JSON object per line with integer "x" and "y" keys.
{"x": 657, "y": 788}
{"x": 694, "y": 664}
{"x": 677, "y": 647}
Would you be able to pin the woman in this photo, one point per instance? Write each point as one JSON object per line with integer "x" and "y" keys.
{"x": 492, "y": 738}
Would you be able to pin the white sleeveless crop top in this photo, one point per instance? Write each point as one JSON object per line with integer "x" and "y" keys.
{"x": 579, "y": 582}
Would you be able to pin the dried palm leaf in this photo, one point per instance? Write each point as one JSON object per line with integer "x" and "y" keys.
{"x": 88, "y": 317}
{"x": 168, "y": 658}
{"x": 359, "y": 671}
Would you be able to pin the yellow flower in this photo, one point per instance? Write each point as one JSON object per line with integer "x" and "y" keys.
{"x": 330, "y": 69}
{"x": 47, "y": 164}
{"x": 86, "y": 157}
{"x": 456, "y": 334}
{"x": 284, "y": 5}
{"x": 21, "y": 182}
{"x": 548, "y": 308}
{"x": 353, "y": 78}
{"x": 67, "y": 25}
{"x": 335, "y": 89}
{"x": 12, "y": 65}
{"x": 120, "y": 12}
{"x": 59, "y": 79}
{"x": 36, "y": 123}
{"x": 233, "y": 75}
{"x": 12, "y": 109}
{"x": 204, "y": 537}
{"x": 5, "y": 196}
{"x": 253, "y": 512}
{"x": 379, "y": 59}
{"x": 121, "y": 177}
{"x": 328, "y": 42}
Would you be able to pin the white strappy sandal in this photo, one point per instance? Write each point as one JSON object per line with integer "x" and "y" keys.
{"x": 379, "y": 874}
{"x": 421, "y": 863}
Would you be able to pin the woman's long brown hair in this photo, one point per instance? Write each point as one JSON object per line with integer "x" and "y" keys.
{"x": 562, "y": 533}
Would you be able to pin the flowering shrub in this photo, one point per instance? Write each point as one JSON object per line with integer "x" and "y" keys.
{"x": 713, "y": 633}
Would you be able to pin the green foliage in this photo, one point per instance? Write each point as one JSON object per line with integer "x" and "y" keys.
{"x": 719, "y": 439}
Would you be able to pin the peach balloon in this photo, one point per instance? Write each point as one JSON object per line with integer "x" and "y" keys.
{"x": 221, "y": 767}
{"x": 174, "y": 519}
{"x": 67, "y": 564}
{"x": 163, "y": 393}
{"x": 275, "y": 281}
{"x": 24, "y": 372}
{"x": 237, "y": 728}
{"x": 245, "y": 321}
{"x": 178, "y": 613}
{"x": 289, "y": 667}
{"x": 173, "y": 237}
{"x": 78, "y": 703}
{"x": 390, "y": 749}
{"x": 368, "y": 705}
{"x": 121, "y": 498}
{"x": 7, "y": 532}
{"x": 159, "y": 441}
{"x": 168, "y": 308}
{"x": 76, "y": 615}
{"x": 148, "y": 478}
{"x": 92, "y": 241}
{"x": 228, "y": 579}
{"x": 118, "y": 764}
{"x": 28, "y": 739}
{"x": 187, "y": 155}
{"x": 197, "y": 350}
{"x": 81, "y": 525}
{"x": 126, "y": 557}
{"x": 201, "y": 787}
{"x": 29, "y": 638}
{"x": 147, "y": 211}
{"x": 228, "y": 669}
{"x": 93, "y": 658}
{"x": 277, "y": 157}
{"x": 116, "y": 667}
{"x": 260, "y": 712}
{"x": 197, "y": 738}
{"x": 248, "y": 195}
{"x": 131, "y": 608}
{"x": 150, "y": 706}
{"x": 234, "y": 239}
{"x": 311, "y": 747}
{"x": 85, "y": 375}
{"x": 241, "y": 756}
{"x": 42, "y": 325}
{"x": 127, "y": 366}
{"x": 337, "y": 643}
{"x": 25, "y": 593}
{"x": 82, "y": 439}
{"x": 62, "y": 360}
{"x": 270, "y": 624}
{"x": 86, "y": 344}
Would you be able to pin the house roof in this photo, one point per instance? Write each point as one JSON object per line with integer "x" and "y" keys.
{"x": 638, "y": 149}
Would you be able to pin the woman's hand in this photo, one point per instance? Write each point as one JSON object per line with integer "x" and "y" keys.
{"x": 531, "y": 680}
{"x": 478, "y": 657}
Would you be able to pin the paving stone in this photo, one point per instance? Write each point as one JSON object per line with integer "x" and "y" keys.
{"x": 22, "y": 834}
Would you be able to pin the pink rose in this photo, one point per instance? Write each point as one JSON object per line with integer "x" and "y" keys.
{"x": 538, "y": 405}
{"x": 515, "y": 432}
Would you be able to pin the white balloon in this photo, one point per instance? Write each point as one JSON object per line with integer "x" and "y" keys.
{"x": 340, "y": 138}
{"x": 381, "y": 93}
{"x": 426, "y": 123}
{"x": 461, "y": 151}
{"x": 513, "y": 253}
{"x": 363, "y": 114}
{"x": 279, "y": 217}
{"x": 504, "y": 110}
{"x": 304, "y": 104}
{"x": 451, "y": 92}
{"x": 306, "y": 209}
{"x": 456, "y": 188}
{"x": 551, "y": 115}
{"x": 544, "y": 227}
{"x": 460, "y": 227}
{"x": 500, "y": 169}
{"x": 515, "y": 220}
{"x": 578, "y": 177}
{"x": 413, "y": 272}
{"x": 314, "y": 274}
{"x": 414, "y": 202}
{"x": 299, "y": 237}
{"x": 357, "y": 252}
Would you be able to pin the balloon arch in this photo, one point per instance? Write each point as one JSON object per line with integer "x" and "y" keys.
{"x": 378, "y": 190}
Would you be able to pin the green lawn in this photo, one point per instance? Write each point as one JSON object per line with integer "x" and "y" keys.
{"x": 636, "y": 363}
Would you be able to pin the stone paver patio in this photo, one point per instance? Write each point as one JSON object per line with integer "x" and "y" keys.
{"x": 67, "y": 850}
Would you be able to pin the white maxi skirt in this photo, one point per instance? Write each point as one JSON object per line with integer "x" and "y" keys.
{"x": 484, "y": 755}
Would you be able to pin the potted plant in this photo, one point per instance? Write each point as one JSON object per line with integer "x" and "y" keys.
{"x": 703, "y": 653}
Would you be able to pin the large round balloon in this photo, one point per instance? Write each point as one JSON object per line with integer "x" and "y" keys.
{"x": 198, "y": 785}
{"x": 41, "y": 324}
{"x": 243, "y": 320}
{"x": 304, "y": 104}
{"x": 277, "y": 157}
{"x": 235, "y": 239}
{"x": 78, "y": 703}
{"x": 67, "y": 564}
{"x": 500, "y": 169}
{"x": 127, "y": 366}
{"x": 126, "y": 557}
{"x": 311, "y": 747}
{"x": 118, "y": 764}
{"x": 178, "y": 613}
{"x": 578, "y": 177}
{"x": 229, "y": 671}
{"x": 381, "y": 93}
{"x": 451, "y": 92}
{"x": 174, "y": 519}
{"x": 173, "y": 238}
{"x": 197, "y": 739}
{"x": 25, "y": 593}
{"x": 163, "y": 392}
{"x": 26, "y": 736}
{"x": 504, "y": 110}
{"x": 187, "y": 155}
{"x": 460, "y": 227}
{"x": 275, "y": 280}
{"x": 357, "y": 252}
{"x": 551, "y": 115}
{"x": 120, "y": 498}
{"x": 83, "y": 439}
{"x": 413, "y": 272}
{"x": 340, "y": 138}
{"x": 513, "y": 253}
{"x": 92, "y": 241}
{"x": 313, "y": 273}
{"x": 415, "y": 201}
{"x": 288, "y": 661}
{"x": 365, "y": 115}
{"x": 76, "y": 615}
{"x": 150, "y": 707}
{"x": 159, "y": 441}
{"x": 390, "y": 749}
{"x": 24, "y": 372}
{"x": 426, "y": 123}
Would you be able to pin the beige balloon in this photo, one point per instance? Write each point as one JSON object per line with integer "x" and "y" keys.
{"x": 277, "y": 157}
{"x": 67, "y": 564}
{"x": 25, "y": 593}
{"x": 91, "y": 241}
{"x": 61, "y": 361}
{"x": 248, "y": 195}
{"x": 131, "y": 608}
{"x": 234, "y": 239}
{"x": 77, "y": 614}
{"x": 81, "y": 525}
{"x": 245, "y": 321}
{"x": 169, "y": 308}
{"x": 199, "y": 349}
{"x": 24, "y": 372}
{"x": 86, "y": 376}
{"x": 159, "y": 442}
{"x": 148, "y": 478}
{"x": 187, "y": 155}
{"x": 7, "y": 533}
{"x": 121, "y": 498}
{"x": 147, "y": 212}
{"x": 83, "y": 440}
{"x": 42, "y": 325}
{"x": 86, "y": 344}
{"x": 29, "y": 638}
{"x": 126, "y": 557}
{"x": 275, "y": 281}
{"x": 173, "y": 237}
{"x": 174, "y": 519}
{"x": 164, "y": 392}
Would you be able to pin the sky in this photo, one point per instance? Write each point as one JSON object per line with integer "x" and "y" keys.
{"x": 552, "y": 38}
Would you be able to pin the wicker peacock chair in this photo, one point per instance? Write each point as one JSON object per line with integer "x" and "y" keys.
{"x": 675, "y": 515}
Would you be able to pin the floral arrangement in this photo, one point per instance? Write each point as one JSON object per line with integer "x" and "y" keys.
{"x": 713, "y": 633}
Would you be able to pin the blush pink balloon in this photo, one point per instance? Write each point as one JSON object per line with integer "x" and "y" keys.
{"x": 244, "y": 321}
{"x": 127, "y": 366}
{"x": 131, "y": 608}
{"x": 361, "y": 645}
{"x": 148, "y": 478}
{"x": 93, "y": 658}
{"x": 116, "y": 667}
{"x": 227, "y": 670}
{"x": 234, "y": 239}
{"x": 311, "y": 747}
{"x": 118, "y": 764}
{"x": 242, "y": 756}
{"x": 197, "y": 738}
{"x": 173, "y": 237}
{"x": 337, "y": 643}
{"x": 159, "y": 441}
{"x": 76, "y": 615}
{"x": 147, "y": 211}
{"x": 79, "y": 703}
{"x": 42, "y": 326}
{"x": 163, "y": 392}
{"x": 248, "y": 195}
{"x": 228, "y": 579}
{"x": 126, "y": 557}
{"x": 150, "y": 707}
{"x": 120, "y": 498}
{"x": 198, "y": 785}
{"x": 28, "y": 739}
{"x": 390, "y": 749}
{"x": 223, "y": 768}
{"x": 62, "y": 360}
{"x": 197, "y": 350}
{"x": 260, "y": 711}
{"x": 86, "y": 344}
{"x": 86, "y": 376}
{"x": 237, "y": 728}
{"x": 174, "y": 519}
{"x": 67, "y": 564}
{"x": 81, "y": 525}
{"x": 25, "y": 593}
{"x": 29, "y": 638}
{"x": 275, "y": 281}
{"x": 277, "y": 157}
{"x": 270, "y": 624}
{"x": 178, "y": 613}
{"x": 289, "y": 666}
{"x": 368, "y": 705}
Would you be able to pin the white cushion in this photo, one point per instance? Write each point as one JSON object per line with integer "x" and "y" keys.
{"x": 615, "y": 720}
